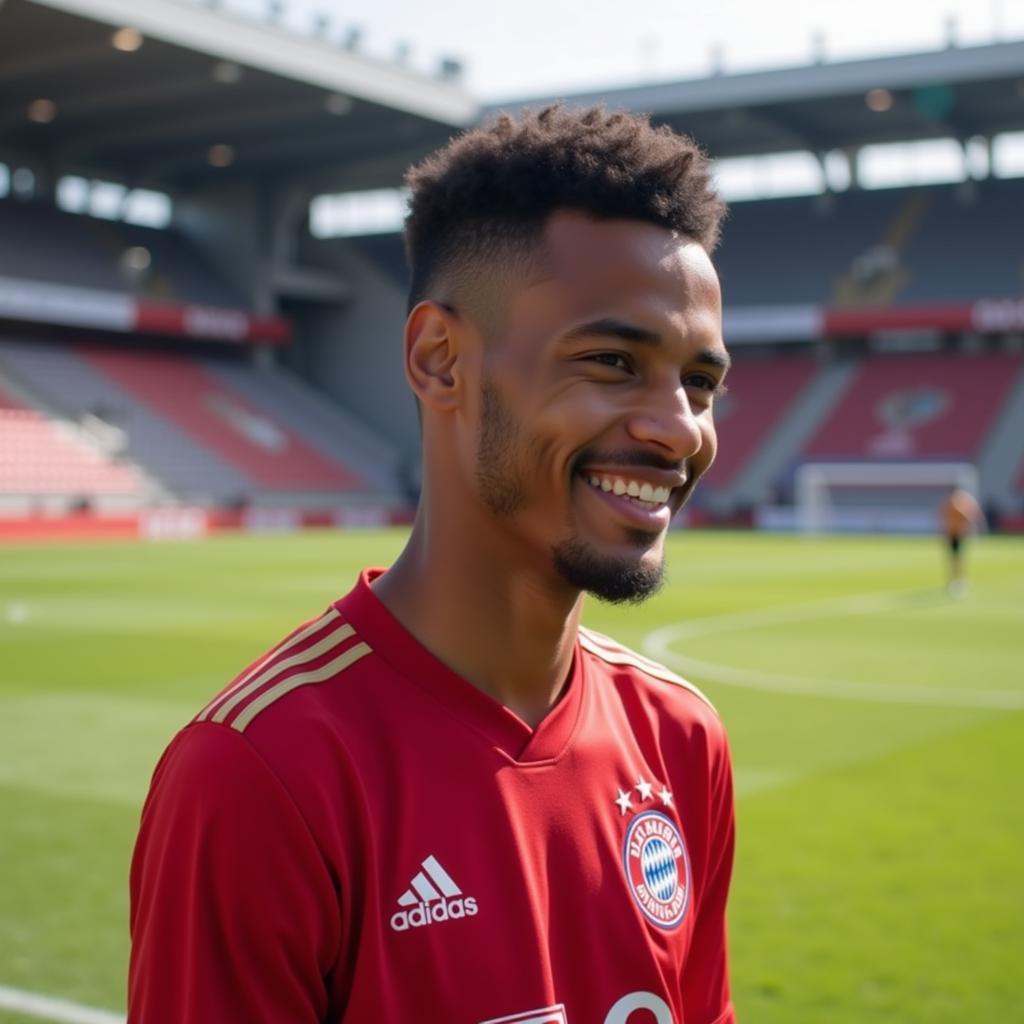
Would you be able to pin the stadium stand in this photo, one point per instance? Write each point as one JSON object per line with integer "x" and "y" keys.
{"x": 251, "y": 358}
{"x": 761, "y": 390}
{"x": 263, "y": 449}
{"x": 765, "y": 477}
{"x": 936, "y": 406}
{"x": 876, "y": 248}
{"x": 858, "y": 248}
{"x": 208, "y": 429}
{"x": 41, "y": 457}
{"x": 8, "y": 403}
{"x": 41, "y": 243}
{"x": 956, "y": 222}
{"x": 321, "y": 424}
{"x": 57, "y": 377}
{"x": 1001, "y": 465}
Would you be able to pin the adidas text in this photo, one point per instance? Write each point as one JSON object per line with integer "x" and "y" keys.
{"x": 430, "y": 913}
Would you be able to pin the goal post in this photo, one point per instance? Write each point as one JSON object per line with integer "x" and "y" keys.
{"x": 898, "y": 497}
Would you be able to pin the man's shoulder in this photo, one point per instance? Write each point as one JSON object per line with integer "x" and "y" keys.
{"x": 643, "y": 672}
{"x": 318, "y": 653}
{"x": 292, "y": 715}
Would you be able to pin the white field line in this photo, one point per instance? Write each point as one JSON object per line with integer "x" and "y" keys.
{"x": 660, "y": 645}
{"x": 31, "y": 1004}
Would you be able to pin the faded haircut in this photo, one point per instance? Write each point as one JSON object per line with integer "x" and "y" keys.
{"x": 482, "y": 201}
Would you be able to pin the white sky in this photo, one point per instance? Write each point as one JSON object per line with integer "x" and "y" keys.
{"x": 519, "y": 48}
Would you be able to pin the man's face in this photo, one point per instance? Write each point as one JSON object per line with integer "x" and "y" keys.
{"x": 595, "y": 415}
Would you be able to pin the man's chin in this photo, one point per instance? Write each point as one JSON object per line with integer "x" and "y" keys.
{"x": 619, "y": 579}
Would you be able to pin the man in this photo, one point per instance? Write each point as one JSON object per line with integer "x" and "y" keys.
{"x": 959, "y": 513}
{"x": 444, "y": 800}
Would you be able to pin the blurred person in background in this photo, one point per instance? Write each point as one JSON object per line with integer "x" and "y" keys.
{"x": 959, "y": 516}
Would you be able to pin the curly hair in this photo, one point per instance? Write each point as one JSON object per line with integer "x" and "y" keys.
{"x": 489, "y": 192}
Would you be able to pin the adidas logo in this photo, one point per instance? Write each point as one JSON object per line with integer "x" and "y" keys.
{"x": 432, "y": 896}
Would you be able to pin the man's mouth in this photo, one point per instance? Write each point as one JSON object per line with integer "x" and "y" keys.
{"x": 641, "y": 493}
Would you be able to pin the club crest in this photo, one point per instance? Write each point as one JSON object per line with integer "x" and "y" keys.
{"x": 657, "y": 868}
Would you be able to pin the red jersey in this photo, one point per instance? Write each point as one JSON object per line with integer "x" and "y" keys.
{"x": 353, "y": 833}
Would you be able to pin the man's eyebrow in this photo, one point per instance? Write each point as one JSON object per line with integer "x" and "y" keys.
{"x": 715, "y": 358}
{"x": 609, "y": 327}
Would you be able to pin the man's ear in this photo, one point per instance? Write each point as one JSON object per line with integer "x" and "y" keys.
{"x": 432, "y": 354}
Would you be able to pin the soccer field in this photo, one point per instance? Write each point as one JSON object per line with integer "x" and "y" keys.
{"x": 876, "y": 726}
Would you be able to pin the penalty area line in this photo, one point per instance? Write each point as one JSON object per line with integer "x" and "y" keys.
{"x": 60, "y": 1011}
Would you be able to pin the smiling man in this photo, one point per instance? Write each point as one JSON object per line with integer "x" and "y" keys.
{"x": 444, "y": 800}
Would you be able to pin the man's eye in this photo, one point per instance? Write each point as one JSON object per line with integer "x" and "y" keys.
{"x": 705, "y": 382}
{"x": 614, "y": 359}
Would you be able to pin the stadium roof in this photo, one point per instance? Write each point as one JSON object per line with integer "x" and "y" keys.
{"x": 78, "y": 97}
{"x": 302, "y": 109}
{"x": 958, "y": 92}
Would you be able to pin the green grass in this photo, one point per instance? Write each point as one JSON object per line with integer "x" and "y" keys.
{"x": 879, "y": 748}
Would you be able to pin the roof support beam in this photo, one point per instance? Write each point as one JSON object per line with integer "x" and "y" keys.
{"x": 57, "y": 60}
{"x": 300, "y": 58}
{"x": 231, "y": 123}
{"x": 805, "y": 135}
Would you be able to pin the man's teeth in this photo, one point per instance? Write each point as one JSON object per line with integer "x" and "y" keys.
{"x": 631, "y": 488}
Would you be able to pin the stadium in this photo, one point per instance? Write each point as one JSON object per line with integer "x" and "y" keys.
{"x": 202, "y": 292}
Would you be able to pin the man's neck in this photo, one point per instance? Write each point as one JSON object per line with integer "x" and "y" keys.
{"x": 502, "y": 628}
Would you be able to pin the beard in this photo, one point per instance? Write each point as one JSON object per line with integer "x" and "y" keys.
{"x": 615, "y": 580}
{"x": 499, "y": 477}
{"x": 502, "y": 472}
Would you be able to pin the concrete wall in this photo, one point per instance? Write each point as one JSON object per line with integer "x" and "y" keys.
{"x": 233, "y": 227}
{"x": 348, "y": 350}
{"x": 354, "y": 352}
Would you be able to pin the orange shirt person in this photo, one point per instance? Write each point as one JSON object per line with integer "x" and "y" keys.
{"x": 959, "y": 514}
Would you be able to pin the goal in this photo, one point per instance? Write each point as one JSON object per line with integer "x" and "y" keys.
{"x": 884, "y": 497}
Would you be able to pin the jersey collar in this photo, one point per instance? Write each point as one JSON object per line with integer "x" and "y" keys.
{"x": 477, "y": 710}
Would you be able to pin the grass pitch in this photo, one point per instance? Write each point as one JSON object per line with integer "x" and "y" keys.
{"x": 876, "y": 725}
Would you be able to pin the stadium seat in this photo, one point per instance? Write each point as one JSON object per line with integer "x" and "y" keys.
{"x": 931, "y": 406}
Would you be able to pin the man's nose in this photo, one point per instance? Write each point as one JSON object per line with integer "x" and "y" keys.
{"x": 667, "y": 420}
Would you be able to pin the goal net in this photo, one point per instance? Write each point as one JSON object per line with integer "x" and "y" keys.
{"x": 896, "y": 497}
